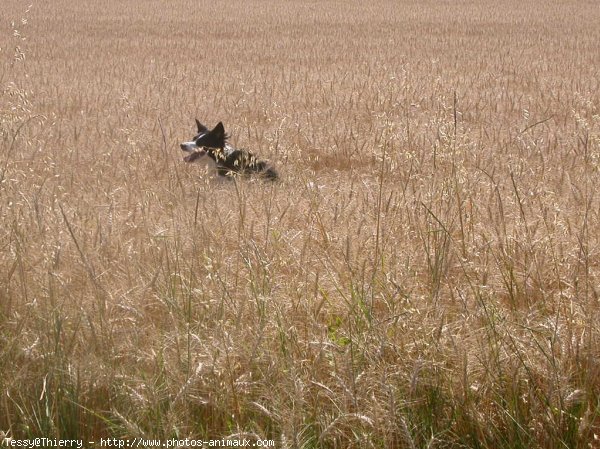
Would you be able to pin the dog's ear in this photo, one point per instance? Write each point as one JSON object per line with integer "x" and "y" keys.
{"x": 219, "y": 131}
{"x": 201, "y": 127}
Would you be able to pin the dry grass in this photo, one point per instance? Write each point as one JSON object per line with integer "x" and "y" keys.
{"x": 425, "y": 275}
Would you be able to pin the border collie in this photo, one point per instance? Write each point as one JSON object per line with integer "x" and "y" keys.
{"x": 227, "y": 160}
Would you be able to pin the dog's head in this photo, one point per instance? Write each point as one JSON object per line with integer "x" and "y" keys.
{"x": 205, "y": 142}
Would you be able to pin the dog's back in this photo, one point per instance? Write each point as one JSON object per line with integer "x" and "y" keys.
{"x": 232, "y": 160}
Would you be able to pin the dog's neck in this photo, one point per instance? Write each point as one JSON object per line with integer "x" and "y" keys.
{"x": 220, "y": 152}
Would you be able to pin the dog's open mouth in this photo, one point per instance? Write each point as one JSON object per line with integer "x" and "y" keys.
{"x": 194, "y": 156}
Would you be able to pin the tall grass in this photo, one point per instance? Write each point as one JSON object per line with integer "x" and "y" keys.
{"x": 425, "y": 274}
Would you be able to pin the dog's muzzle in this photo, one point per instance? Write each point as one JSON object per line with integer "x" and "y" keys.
{"x": 194, "y": 156}
{"x": 192, "y": 148}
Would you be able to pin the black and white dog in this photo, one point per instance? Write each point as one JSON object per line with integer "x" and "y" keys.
{"x": 226, "y": 159}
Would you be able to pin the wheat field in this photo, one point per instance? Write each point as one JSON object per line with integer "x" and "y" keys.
{"x": 424, "y": 275}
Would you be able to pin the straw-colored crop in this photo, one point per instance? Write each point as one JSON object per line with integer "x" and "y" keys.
{"x": 425, "y": 275}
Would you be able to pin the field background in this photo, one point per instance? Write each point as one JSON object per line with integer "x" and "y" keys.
{"x": 426, "y": 273}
